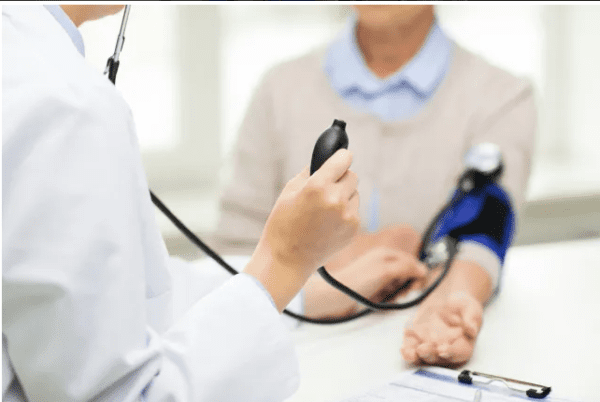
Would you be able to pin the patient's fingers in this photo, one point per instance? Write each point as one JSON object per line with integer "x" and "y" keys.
{"x": 472, "y": 318}
{"x": 464, "y": 312}
{"x": 456, "y": 352}
{"x": 427, "y": 352}
{"x": 409, "y": 348}
{"x": 452, "y": 318}
{"x": 449, "y": 335}
{"x": 443, "y": 350}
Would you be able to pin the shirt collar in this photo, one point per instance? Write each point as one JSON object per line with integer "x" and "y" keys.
{"x": 64, "y": 20}
{"x": 348, "y": 71}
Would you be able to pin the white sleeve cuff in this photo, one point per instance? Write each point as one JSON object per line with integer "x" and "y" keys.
{"x": 295, "y": 306}
{"x": 229, "y": 346}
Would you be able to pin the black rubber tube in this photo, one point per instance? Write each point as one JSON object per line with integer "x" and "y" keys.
{"x": 371, "y": 306}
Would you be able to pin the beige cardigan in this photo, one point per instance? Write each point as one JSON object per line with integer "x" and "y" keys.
{"x": 414, "y": 163}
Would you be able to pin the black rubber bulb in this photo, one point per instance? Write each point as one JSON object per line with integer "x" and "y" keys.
{"x": 328, "y": 143}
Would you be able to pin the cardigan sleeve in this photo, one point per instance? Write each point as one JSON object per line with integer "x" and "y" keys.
{"x": 249, "y": 195}
{"x": 511, "y": 124}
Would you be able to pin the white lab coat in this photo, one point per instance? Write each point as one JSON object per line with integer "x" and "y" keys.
{"x": 87, "y": 289}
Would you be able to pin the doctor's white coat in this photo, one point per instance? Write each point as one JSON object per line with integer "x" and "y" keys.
{"x": 87, "y": 287}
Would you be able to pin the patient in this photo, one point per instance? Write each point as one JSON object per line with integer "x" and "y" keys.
{"x": 414, "y": 102}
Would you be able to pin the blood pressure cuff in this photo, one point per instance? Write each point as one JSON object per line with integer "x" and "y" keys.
{"x": 485, "y": 216}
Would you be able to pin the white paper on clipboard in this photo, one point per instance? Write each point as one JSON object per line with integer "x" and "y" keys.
{"x": 436, "y": 384}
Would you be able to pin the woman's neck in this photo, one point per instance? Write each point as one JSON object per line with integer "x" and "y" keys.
{"x": 386, "y": 49}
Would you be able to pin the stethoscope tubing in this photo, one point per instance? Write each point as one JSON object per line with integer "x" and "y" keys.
{"x": 371, "y": 306}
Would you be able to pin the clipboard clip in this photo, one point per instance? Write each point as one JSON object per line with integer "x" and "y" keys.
{"x": 535, "y": 391}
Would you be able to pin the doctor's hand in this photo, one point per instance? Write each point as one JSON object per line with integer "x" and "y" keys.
{"x": 313, "y": 218}
{"x": 375, "y": 275}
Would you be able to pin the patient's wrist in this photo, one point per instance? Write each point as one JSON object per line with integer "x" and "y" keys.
{"x": 465, "y": 277}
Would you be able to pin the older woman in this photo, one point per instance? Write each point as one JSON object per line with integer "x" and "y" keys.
{"x": 415, "y": 102}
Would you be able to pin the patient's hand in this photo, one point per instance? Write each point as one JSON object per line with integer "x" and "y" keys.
{"x": 374, "y": 275}
{"x": 373, "y": 264}
{"x": 397, "y": 237}
{"x": 443, "y": 330}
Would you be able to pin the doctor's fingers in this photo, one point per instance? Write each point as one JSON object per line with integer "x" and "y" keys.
{"x": 352, "y": 209}
{"x": 303, "y": 175}
{"x": 334, "y": 168}
{"x": 335, "y": 195}
{"x": 297, "y": 182}
{"x": 347, "y": 185}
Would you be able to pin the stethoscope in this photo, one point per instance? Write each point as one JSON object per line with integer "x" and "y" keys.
{"x": 483, "y": 164}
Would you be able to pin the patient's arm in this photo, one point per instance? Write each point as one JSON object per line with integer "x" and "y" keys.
{"x": 444, "y": 329}
{"x": 445, "y": 326}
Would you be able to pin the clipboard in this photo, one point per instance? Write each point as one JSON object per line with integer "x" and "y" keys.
{"x": 445, "y": 385}
{"x": 535, "y": 391}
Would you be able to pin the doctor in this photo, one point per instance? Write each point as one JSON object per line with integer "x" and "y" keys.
{"x": 87, "y": 289}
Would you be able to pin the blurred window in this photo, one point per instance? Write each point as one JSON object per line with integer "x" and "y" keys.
{"x": 147, "y": 69}
{"x": 168, "y": 75}
{"x": 556, "y": 47}
{"x": 257, "y": 37}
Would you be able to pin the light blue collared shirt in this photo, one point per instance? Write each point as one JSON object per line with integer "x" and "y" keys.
{"x": 68, "y": 25}
{"x": 398, "y": 96}
{"x": 394, "y": 98}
